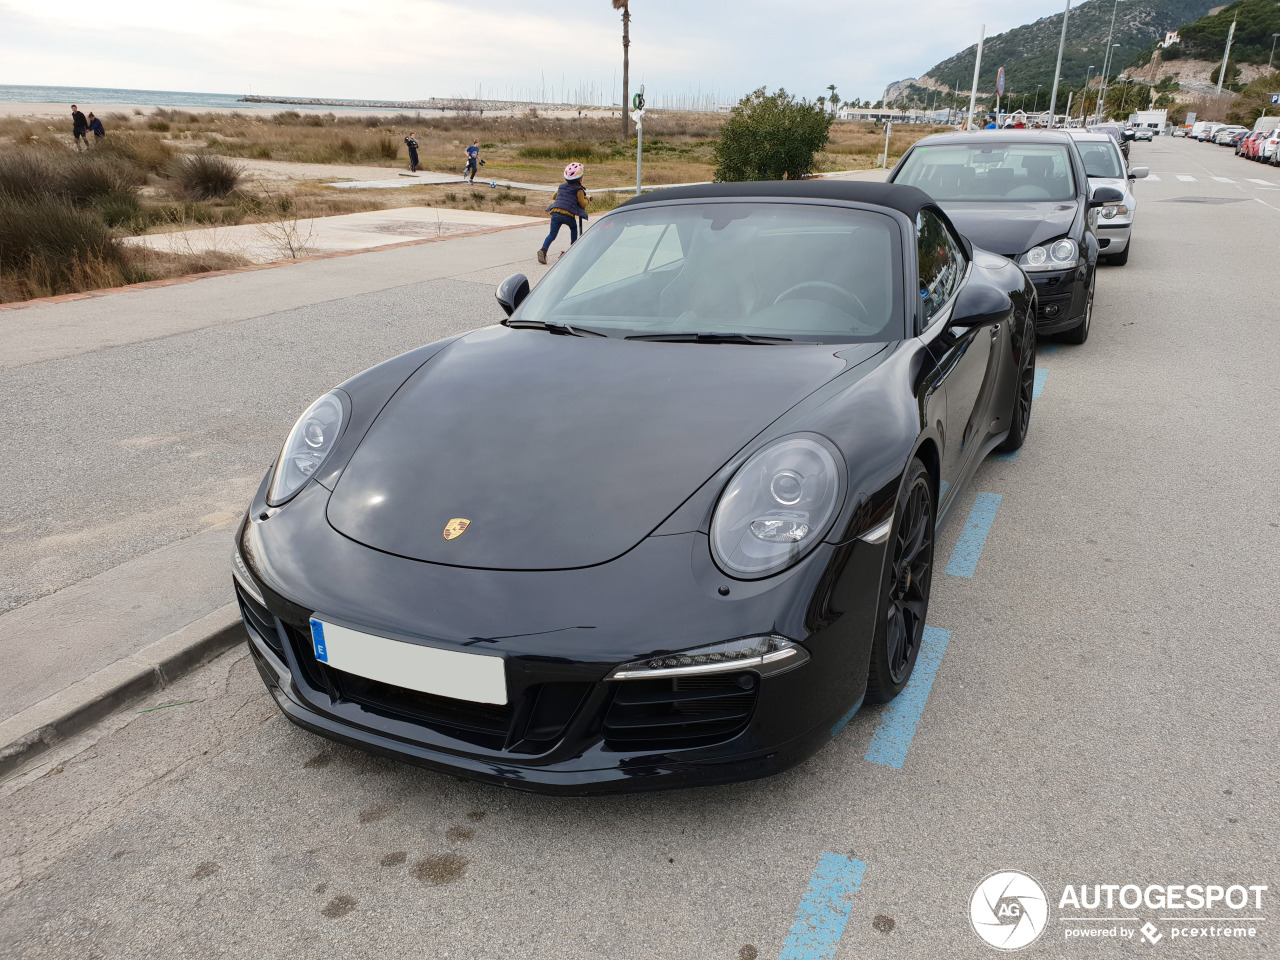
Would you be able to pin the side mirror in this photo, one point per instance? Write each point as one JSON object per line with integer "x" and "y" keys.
{"x": 512, "y": 291}
{"x": 978, "y": 303}
{"x": 1105, "y": 197}
{"x": 1139, "y": 173}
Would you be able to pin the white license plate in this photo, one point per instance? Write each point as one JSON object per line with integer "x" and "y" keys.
{"x": 444, "y": 673}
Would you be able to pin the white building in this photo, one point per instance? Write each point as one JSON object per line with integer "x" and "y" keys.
{"x": 1170, "y": 39}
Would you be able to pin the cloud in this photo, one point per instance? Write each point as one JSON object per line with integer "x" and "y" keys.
{"x": 411, "y": 49}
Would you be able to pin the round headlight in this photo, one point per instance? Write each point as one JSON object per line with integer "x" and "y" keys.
{"x": 310, "y": 441}
{"x": 776, "y": 508}
{"x": 1108, "y": 213}
{"x": 1064, "y": 251}
{"x": 1037, "y": 256}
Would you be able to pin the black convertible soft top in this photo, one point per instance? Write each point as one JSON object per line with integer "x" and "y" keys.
{"x": 908, "y": 200}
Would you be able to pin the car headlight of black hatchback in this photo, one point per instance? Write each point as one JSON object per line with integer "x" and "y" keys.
{"x": 1058, "y": 254}
{"x": 776, "y": 508}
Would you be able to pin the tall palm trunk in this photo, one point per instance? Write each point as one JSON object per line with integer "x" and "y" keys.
{"x": 624, "y": 6}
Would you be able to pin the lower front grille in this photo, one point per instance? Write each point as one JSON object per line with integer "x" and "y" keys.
{"x": 483, "y": 724}
{"x": 259, "y": 619}
{"x": 680, "y": 712}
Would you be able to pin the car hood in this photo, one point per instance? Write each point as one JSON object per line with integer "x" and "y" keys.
{"x": 1010, "y": 229}
{"x": 561, "y": 451}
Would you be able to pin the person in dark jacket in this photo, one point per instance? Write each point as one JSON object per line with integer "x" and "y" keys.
{"x": 411, "y": 141}
{"x": 95, "y": 127}
{"x": 569, "y": 204}
{"x": 79, "y": 127}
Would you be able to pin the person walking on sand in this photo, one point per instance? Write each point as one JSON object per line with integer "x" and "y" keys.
{"x": 569, "y": 204}
{"x": 411, "y": 141}
{"x": 95, "y": 127}
{"x": 79, "y": 127}
{"x": 473, "y": 161}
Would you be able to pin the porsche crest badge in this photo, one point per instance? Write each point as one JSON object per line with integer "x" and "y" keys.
{"x": 456, "y": 528}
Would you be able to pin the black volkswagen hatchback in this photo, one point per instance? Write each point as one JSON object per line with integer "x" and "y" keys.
{"x": 1025, "y": 195}
{"x": 669, "y": 523}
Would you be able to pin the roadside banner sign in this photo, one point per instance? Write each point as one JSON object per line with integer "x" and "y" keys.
{"x": 1191, "y": 118}
{"x": 1000, "y": 83}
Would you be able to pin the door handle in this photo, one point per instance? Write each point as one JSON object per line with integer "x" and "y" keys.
{"x": 995, "y": 332}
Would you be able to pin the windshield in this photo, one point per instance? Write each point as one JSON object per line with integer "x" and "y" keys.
{"x": 1101, "y": 159}
{"x": 1025, "y": 172}
{"x": 781, "y": 270}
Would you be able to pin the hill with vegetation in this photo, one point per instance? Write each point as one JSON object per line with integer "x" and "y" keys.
{"x": 1206, "y": 38}
{"x": 1029, "y": 53}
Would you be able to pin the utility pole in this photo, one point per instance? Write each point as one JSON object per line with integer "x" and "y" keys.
{"x": 1106, "y": 62}
{"x": 1084, "y": 97}
{"x": 1222, "y": 71}
{"x": 1057, "y": 71}
{"x": 977, "y": 65}
{"x": 1273, "y": 49}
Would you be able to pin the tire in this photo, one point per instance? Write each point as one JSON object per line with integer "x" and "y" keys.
{"x": 1120, "y": 259}
{"x": 1021, "y": 416}
{"x": 1080, "y": 332}
{"x": 904, "y": 587}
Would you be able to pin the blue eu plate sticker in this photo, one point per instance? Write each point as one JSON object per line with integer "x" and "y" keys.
{"x": 317, "y": 640}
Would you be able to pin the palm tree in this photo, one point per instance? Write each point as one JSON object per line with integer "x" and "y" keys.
{"x": 625, "y": 7}
{"x": 834, "y": 99}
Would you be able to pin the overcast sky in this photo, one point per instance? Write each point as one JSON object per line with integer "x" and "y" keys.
{"x": 412, "y": 49}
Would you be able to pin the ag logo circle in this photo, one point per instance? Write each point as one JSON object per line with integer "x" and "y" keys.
{"x": 1009, "y": 910}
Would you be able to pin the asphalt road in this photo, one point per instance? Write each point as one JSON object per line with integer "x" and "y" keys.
{"x": 1105, "y": 711}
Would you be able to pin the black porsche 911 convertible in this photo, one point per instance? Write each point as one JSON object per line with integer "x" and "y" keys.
{"x": 672, "y": 521}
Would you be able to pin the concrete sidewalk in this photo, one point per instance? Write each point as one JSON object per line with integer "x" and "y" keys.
{"x": 138, "y": 424}
{"x": 285, "y": 240}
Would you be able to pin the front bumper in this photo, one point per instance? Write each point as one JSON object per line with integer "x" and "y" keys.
{"x": 1061, "y": 298}
{"x": 1113, "y": 237}
{"x": 566, "y": 729}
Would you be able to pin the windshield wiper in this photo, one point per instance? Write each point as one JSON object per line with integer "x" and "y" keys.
{"x": 710, "y": 338}
{"x": 552, "y": 326}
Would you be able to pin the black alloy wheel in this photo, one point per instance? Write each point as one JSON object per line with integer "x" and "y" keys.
{"x": 904, "y": 602}
{"x": 1021, "y": 417}
{"x": 1080, "y": 332}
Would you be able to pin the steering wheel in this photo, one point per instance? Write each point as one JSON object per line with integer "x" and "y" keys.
{"x": 848, "y": 296}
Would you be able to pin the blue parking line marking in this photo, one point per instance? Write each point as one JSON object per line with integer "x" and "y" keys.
{"x": 1009, "y": 457}
{"x": 824, "y": 909}
{"x": 897, "y": 727}
{"x": 1038, "y": 387}
{"x": 968, "y": 549}
{"x": 1047, "y": 348}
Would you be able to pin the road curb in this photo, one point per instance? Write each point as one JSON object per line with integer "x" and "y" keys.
{"x": 69, "y": 711}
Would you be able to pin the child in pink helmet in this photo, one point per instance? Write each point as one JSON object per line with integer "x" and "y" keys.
{"x": 569, "y": 204}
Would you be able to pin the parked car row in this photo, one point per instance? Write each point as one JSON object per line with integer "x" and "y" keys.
{"x": 1262, "y": 145}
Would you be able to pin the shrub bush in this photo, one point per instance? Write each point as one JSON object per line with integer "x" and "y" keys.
{"x": 771, "y": 137}
{"x": 49, "y": 246}
{"x": 204, "y": 177}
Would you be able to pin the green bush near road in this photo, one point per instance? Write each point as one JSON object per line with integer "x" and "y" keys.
{"x": 1255, "y": 101}
{"x": 771, "y": 137}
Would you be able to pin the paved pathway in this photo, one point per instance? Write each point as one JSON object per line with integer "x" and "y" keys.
{"x": 287, "y": 239}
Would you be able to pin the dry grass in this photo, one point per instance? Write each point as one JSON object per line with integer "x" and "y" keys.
{"x": 127, "y": 185}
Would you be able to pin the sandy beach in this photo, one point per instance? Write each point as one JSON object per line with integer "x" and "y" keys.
{"x": 62, "y": 110}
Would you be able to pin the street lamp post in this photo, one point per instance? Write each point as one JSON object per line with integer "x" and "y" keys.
{"x": 1084, "y": 97}
{"x": 1062, "y": 45}
{"x": 1106, "y": 61}
{"x": 1038, "y": 86}
{"x": 1273, "y": 49}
